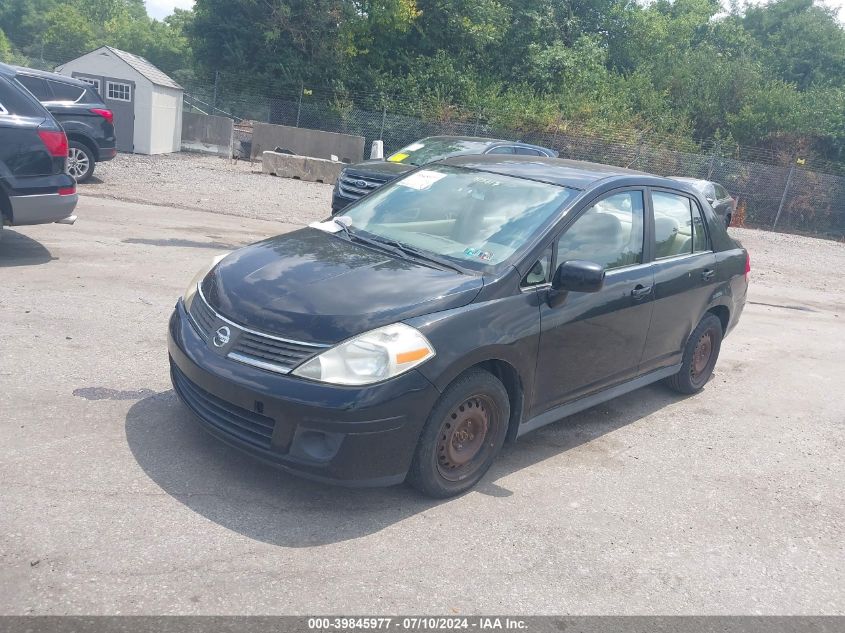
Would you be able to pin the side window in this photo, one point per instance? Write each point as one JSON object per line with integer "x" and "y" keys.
{"x": 673, "y": 227}
{"x": 609, "y": 233}
{"x": 37, "y": 86}
{"x": 526, "y": 151}
{"x": 699, "y": 234}
{"x": 721, "y": 192}
{"x": 504, "y": 149}
{"x": 65, "y": 92}
{"x": 540, "y": 273}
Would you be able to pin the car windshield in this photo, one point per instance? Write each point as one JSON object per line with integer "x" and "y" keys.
{"x": 477, "y": 218}
{"x": 430, "y": 149}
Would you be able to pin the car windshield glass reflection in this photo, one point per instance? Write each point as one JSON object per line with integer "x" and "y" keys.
{"x": 475, "y": 217}
{"x": 429, "y": 150}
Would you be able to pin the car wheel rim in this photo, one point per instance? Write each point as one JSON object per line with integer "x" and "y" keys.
{"x": 701, "y": 357}
{"x": 77, "y": 163}
{"x": 466, "y": 436}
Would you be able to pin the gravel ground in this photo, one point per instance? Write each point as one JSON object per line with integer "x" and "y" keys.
{"x": 209, "y": 183}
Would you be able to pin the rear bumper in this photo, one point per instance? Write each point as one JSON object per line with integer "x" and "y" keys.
{"x": 41, "y": 208}
{"x": 353, "y": 436}
{"x": 106, "y": 153}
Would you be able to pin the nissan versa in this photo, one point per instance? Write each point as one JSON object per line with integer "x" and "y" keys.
{"x": 463, "y": 305}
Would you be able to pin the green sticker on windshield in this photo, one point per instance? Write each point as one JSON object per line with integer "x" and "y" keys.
{"x": 483, "y": 255}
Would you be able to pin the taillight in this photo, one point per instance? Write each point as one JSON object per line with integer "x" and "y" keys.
{"x": 55, "y": 141}
{"x": 747, "y": 265}
{"x": 108, "y": 115}
{"x": 67, "y": 191}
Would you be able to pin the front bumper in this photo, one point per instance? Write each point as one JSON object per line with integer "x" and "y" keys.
{"x": 42, "y": 208}
{"x": 356, "y": 436}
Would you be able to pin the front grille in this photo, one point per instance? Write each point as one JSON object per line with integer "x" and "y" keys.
{"x": 243, "y": 424}
{"x": 203, "y": 316}
{"x": 286, "y": 354}
{"x": 248, "y": 346}
{"x": 352, "y": 186}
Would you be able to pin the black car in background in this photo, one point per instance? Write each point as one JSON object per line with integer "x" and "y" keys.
{"x": 34, "y": 188}
{"x": 466, "y": 303}
{"x": 723, "y": 204}
{"x": 362, "y": 178}
{"x": 77, "y": 106}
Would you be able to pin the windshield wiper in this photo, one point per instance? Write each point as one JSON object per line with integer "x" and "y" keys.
{"x": 417, "y": 253}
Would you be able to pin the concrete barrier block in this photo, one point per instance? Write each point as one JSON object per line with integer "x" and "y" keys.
{"x": 307, "y": 142}
{"x": 301, "y": 167}
{"x": 207, "y": 134}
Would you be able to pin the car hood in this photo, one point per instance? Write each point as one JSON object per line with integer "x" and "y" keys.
{"x": 312, "y": 286}
{"x": 380, "y": 168}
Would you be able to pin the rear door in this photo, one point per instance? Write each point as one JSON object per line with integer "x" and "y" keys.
{"x": 684, "y": 275}
{"x": 593, "y": 340}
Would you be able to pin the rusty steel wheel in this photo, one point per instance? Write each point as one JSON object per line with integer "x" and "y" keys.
{"x": 700, "y": 355}
{"x": 464, "y": 436}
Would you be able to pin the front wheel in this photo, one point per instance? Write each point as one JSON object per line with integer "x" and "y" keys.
{"x": 463, "y": 435}
{"x": 700, "y": 355}
{"x": 80, "y": 161}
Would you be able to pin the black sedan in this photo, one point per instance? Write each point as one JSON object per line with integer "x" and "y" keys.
{"x": 362, "y": 178}
{"x": 463, "y": 305}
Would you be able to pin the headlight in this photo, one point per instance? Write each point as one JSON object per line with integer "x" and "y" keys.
{"x": 370, "y": 357}
{"x": 191, "y": 290}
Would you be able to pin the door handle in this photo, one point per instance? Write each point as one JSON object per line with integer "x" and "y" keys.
{"x": 708, "y": 275}
{"x": 640, "y": 292}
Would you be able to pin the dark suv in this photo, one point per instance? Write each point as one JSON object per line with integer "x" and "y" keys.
{"x": 89, "y": 124}
{"x": 34, "y": 188}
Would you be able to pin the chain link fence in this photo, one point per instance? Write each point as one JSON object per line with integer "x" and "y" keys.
{"x": 770, "y": 194}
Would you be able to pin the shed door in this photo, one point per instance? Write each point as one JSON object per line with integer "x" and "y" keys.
{"x": 119, "y": 96}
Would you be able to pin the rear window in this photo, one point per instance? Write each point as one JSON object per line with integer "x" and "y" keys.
{"x": 17, "y": 101}
{"x": 65, "y": 92}
{"x": 37, "y": 86}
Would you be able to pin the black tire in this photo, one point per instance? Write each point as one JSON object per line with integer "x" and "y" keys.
{"x": 451, "y": 457}
{"x": 85, "y": 160}
{"x": 728, "y": 220}
{"x": 700, "y": 355}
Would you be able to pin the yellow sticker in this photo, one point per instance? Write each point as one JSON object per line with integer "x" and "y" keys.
{"x": 398, "y": 158}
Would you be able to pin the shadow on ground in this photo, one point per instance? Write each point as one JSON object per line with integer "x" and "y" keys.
{"x": 269, "y": 505}
{"x": 16, "y": 249}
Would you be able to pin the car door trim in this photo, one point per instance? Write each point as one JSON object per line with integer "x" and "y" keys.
{"x": 585, "y": 402}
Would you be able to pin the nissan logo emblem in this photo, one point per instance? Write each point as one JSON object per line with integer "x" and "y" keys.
{"x": 221, "y": 336}
{"x": 361, "y": 184}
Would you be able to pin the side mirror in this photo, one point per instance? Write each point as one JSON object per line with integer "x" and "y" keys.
{"x": 575, "y": 276}
{"x": 710, "y": 200}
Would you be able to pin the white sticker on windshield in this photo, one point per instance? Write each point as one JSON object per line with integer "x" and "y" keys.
{"x": 413, "y": 147}
{"x": 422, "y": 179}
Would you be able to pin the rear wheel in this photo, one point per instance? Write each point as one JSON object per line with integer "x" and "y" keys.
{"x": 727, "y": 220}
{"x": 80, "y": 161}
{"x": 463, "y": 435}
{"x": 700, "y": 355}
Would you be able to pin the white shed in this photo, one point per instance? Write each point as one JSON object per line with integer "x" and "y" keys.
{"x": 147, "y": 104}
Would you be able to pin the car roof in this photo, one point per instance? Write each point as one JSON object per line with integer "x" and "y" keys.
{"x": 483, "y": 139}
{"x": 44, "y": 74}
{"x": 574, "y": 174}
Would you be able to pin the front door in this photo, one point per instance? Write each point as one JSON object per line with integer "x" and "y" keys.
{"x": 684, "y": 276}
{"x": 593, "y": 340}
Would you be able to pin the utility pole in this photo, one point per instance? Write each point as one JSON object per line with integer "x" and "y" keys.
{"x": 216, "y": 81}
